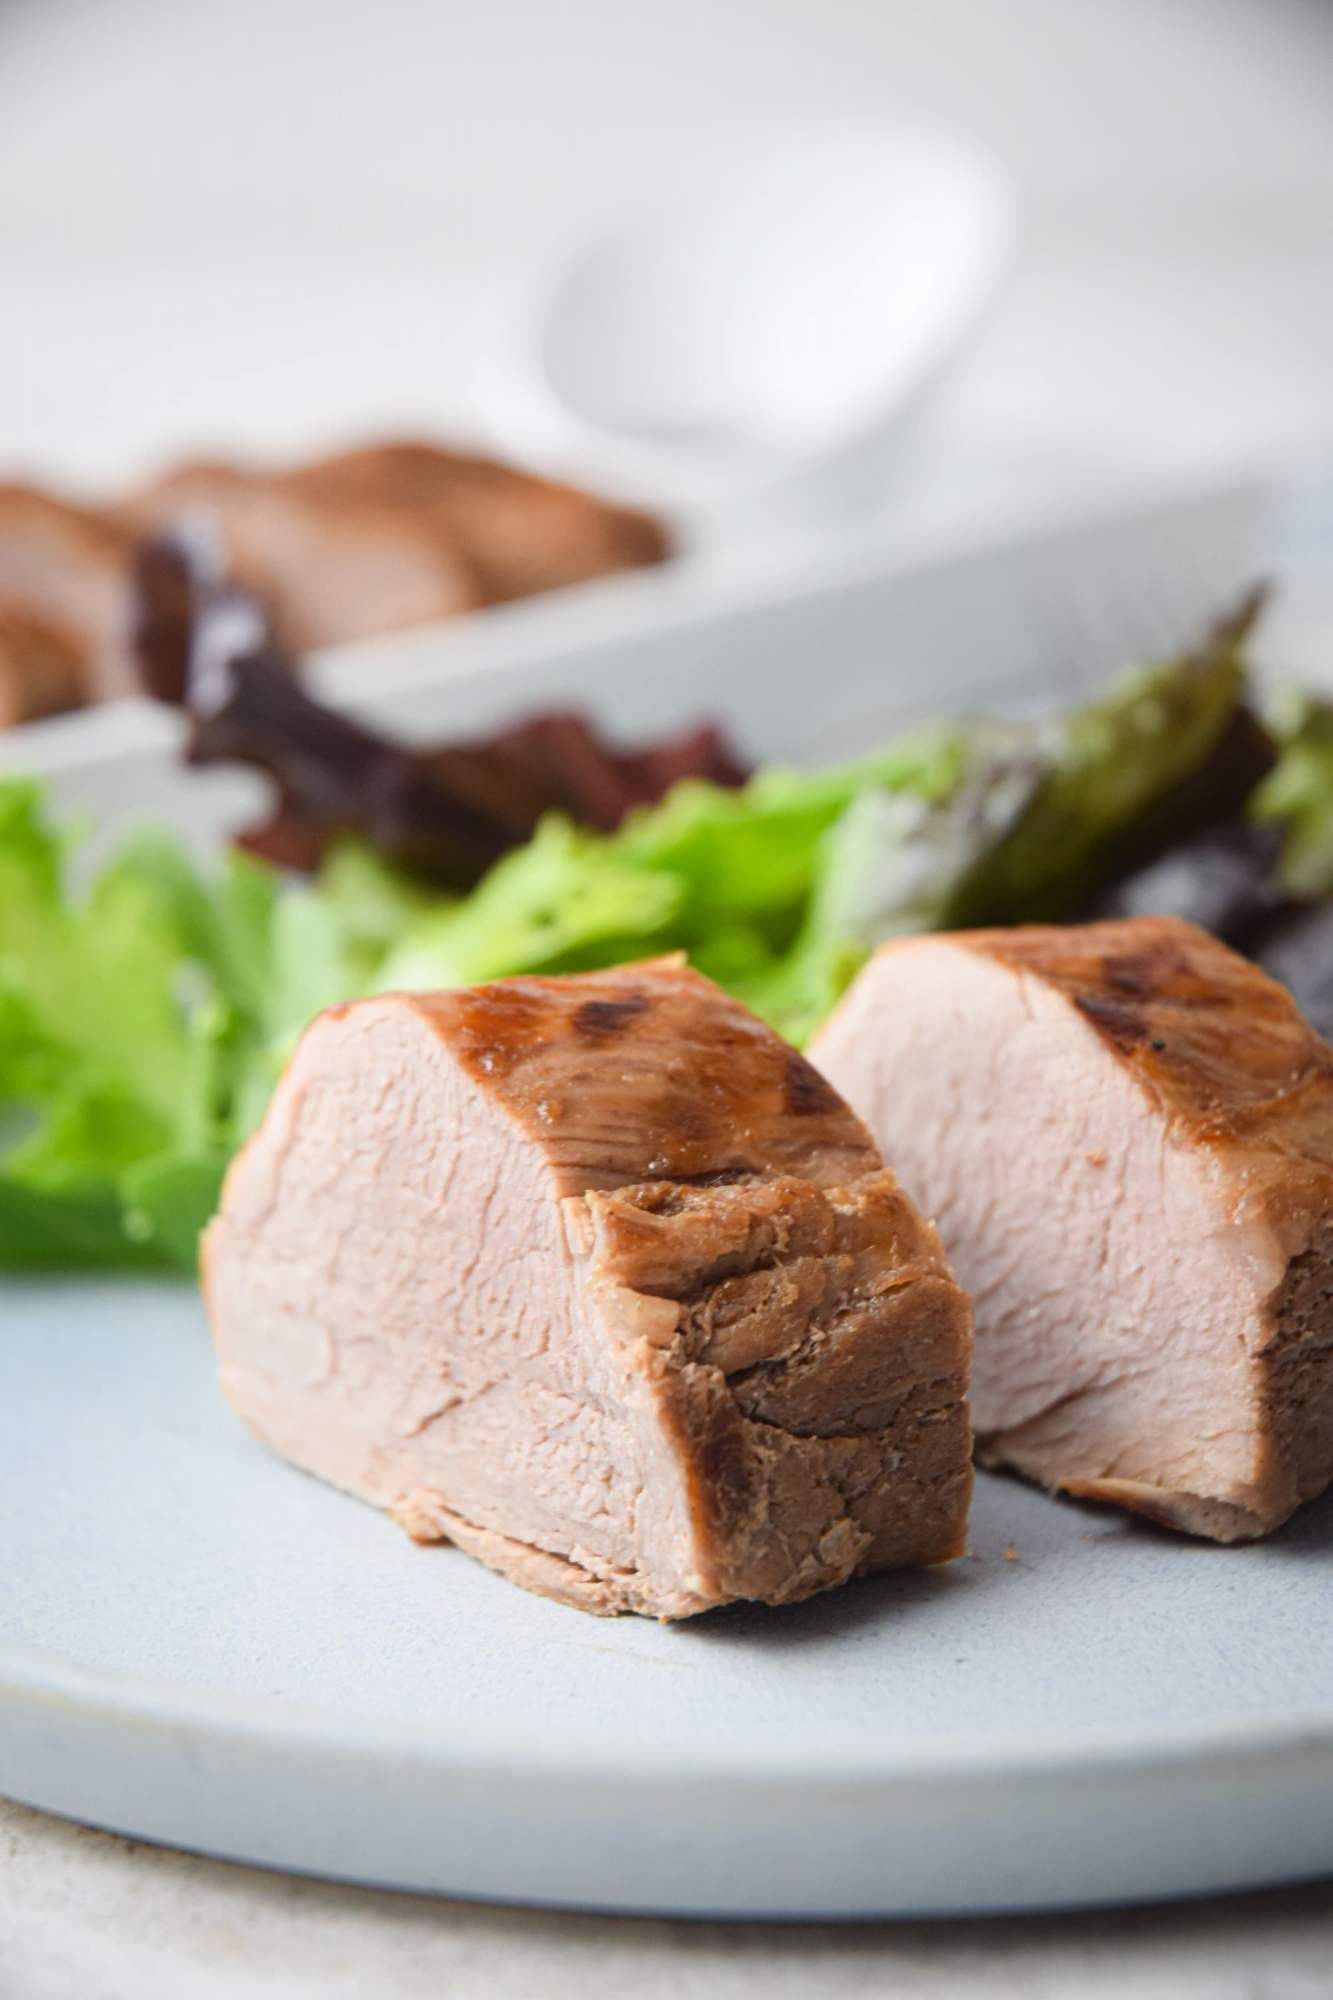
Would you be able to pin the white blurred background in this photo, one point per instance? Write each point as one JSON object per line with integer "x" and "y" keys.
{"x": 279, "y": 223}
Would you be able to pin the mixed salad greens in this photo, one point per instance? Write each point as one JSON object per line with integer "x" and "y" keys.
{"x": 145, "y": 1017}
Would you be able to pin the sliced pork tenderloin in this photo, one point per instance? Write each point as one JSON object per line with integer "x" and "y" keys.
{"x": 42, "y": 665}
{"x": 598, "y": 1279}
{"x": 394, "y": 535}
{"x": 519, "y": 533}
{"x": 331, "y": 570}
{"x": 67, "y": 568}
{"x": 1125, "y": 1133}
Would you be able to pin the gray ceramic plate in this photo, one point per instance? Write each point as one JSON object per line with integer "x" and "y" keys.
{"x": 212, "y": 1650}
{"x": 199, "y": 1645}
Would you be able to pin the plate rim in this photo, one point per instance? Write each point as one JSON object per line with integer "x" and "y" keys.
{"x": 33, "y": 1679}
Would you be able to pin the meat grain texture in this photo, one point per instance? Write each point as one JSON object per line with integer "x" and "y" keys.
{"x": 1125, "y": 1133}
{"x": 600, "y": 1280}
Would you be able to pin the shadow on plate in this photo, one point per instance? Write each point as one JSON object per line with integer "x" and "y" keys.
{"x": 1309, "y": 1532}
{"x": 893, "y": 1596}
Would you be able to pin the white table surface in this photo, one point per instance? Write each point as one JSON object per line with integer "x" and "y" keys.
{"x": 279, "y": 223}
{"x": 87, "y": 1916}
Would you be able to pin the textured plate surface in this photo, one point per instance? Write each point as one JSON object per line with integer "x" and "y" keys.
{"x": 210, "y": 1649}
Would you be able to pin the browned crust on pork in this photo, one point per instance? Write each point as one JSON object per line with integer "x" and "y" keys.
{"x": 788, "y": 1341}
{"x": 79, "y": 532}
{"x": 697, "y": 1088}
{"x": 520, "y": 533}
{"x": 66, "y": 566}
{"x": 371, "y": 540}
{"x": 1222, "y": 1045}
{"x": 43, "y": 665}
{"x": 742, "y": 1201}
{"x": 332, "y": 569}
{"x": 812, "y": 1377}
{"x": 1297, "y": 1381}
{"x": 487, "y": 531}
{"x": 1228, "y": 1057}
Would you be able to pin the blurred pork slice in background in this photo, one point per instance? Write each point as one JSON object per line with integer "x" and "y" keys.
{"x": 371, "y": 540}
{"x": 62, "y": 594}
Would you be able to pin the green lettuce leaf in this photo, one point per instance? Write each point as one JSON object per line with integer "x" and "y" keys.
{"x": 564, "y": 902}
{"x": 372, "y": 906}
{"x": 144, "y": 1021}
{"x": 1107, "y": 766}
{"x": 1298, "y": 794}
{"x": 142, "y": 1024}
{"x": 750, "y": 856}
{"x": 1033, "y": 821}
{"x": 70, "y": 1229}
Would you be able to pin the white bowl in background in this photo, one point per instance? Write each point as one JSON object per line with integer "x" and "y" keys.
{"x": 750, "y": 343}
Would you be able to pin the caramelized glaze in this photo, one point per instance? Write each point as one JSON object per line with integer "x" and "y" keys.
{"x": 699, "y": 1089}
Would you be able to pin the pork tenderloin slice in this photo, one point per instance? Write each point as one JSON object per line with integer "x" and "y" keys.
{"x": 43, "y": 665}
{"x": 67, "y": 567}
{"x": 597, "y": 1279}
{"x": 1125, "y": 1133}
{"x": 520, "y": 533}
{"x": 332, "y": 569}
